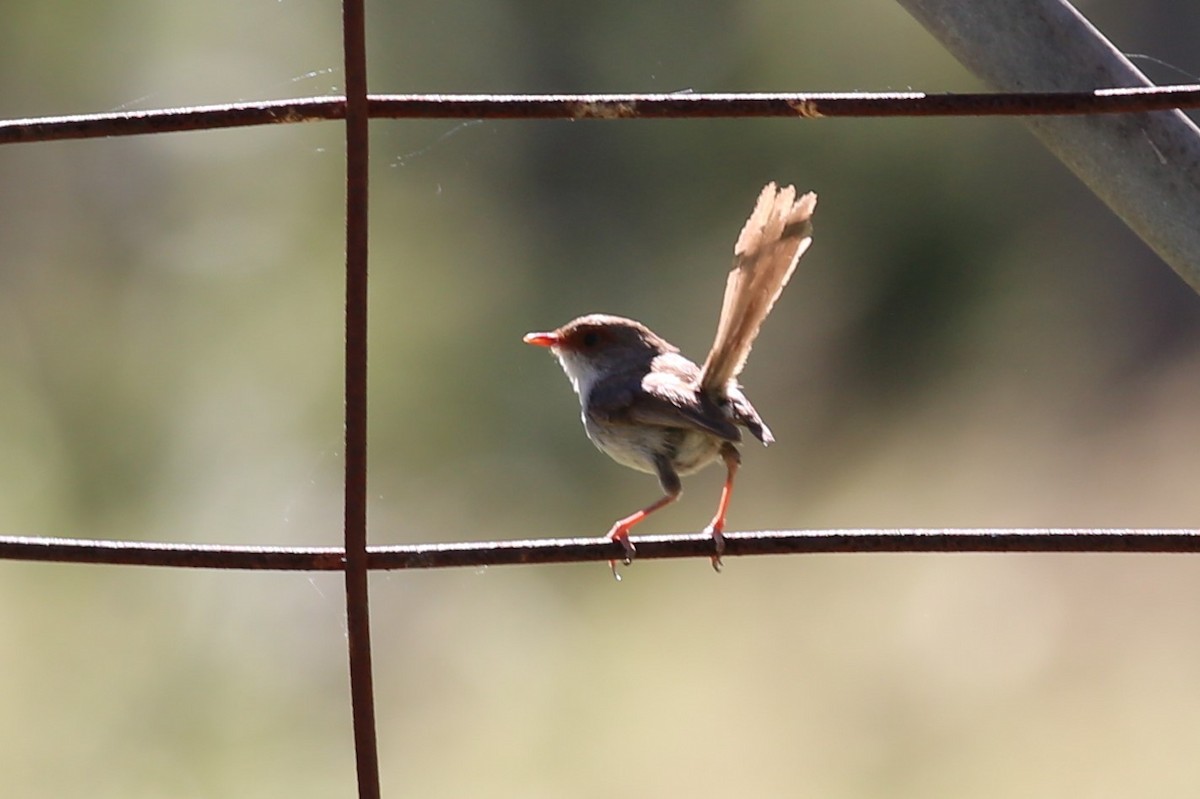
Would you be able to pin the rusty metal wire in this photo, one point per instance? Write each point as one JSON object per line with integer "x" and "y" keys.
{"x": 358, "y": 618}
{"x": 604, "y": 106}
{"x": 574, "y": 550}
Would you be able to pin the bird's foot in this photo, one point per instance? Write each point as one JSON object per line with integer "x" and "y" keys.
{"x": 718, "y": 538}
{"x": 620, "y": 534}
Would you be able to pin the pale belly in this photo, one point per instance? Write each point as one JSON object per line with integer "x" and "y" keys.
{"x": 635, "y": 446}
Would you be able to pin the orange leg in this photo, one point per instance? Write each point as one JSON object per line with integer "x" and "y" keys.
{"x": 715, "y": 528}
{"x": 620, "y": 529}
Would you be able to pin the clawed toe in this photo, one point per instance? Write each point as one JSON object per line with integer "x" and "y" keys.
{"x": 630, "y": 552}
{"x": 718, "y": 546}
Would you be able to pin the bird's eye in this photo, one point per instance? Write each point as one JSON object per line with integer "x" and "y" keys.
{"x": 591, "y": 338}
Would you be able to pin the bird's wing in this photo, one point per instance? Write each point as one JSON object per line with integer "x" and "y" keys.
{"x": 777, "y": 233}
{"x": 744, "y": 413}
{"x": 669, "y": 403}
{"x": 666, "y": 397}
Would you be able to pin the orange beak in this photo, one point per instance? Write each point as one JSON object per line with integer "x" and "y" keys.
{"x": 541, "y": 339}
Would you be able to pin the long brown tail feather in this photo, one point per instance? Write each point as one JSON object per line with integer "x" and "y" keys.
{"x": 777, "y": 233}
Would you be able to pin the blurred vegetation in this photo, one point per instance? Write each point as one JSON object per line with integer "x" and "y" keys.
{"x": 972, "y": 341}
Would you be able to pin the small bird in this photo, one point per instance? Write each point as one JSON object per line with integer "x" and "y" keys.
{"x": 648, "y": 407}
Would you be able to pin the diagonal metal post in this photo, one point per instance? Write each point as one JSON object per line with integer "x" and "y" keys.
{"x": 1145, "y": 167}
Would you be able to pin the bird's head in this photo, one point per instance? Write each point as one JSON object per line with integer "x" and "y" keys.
{"x": 598, "y": 345}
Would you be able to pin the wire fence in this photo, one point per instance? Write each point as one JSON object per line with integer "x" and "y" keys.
{"x": 356, "y": 559}
{"x": 476, "y": 554}
{"x": 605, "y": 106}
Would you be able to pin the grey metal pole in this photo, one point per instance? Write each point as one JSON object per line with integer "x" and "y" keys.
{"x": 1146, "y": 167}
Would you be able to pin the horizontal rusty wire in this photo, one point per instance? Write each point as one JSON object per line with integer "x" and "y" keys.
{"x": 575, "y": 550}
{"x": 604, "y": 106}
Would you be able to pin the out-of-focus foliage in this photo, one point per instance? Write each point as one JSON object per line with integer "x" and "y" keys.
{"x": 973, "y": 340}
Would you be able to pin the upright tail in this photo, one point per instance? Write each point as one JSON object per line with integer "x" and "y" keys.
{"x": 777, "y": 233}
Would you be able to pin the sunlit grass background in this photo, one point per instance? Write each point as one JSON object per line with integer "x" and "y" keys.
{"x": 973, "y": 340}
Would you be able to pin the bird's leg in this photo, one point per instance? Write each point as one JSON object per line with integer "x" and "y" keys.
{"x": 672, "y": 488}
{"x": 620, "y": 529}
{"x": 733, "y": 459}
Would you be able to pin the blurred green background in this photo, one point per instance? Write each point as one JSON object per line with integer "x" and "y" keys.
{"x": 973, "y": 340}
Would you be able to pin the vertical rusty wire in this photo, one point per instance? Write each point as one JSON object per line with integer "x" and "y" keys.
{"x": 358, "y": 619}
